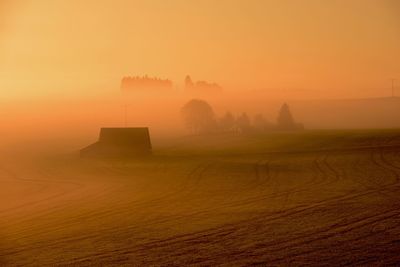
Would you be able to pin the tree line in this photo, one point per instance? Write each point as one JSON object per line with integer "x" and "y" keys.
{"x": 199, "y": 118}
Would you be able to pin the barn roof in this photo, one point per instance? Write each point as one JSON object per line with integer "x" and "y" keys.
{"x": 120, "y": 142}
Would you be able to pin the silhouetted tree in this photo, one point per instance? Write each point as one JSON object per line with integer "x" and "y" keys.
{"x": 243, "y": 123}
{"x": 285, "y": 119}
{"x": 188, "y": 82}
{"x": 144, "y": 83}
{"x": 198, "y": 116}
{"x": 227, "y": 122}
{"x": 201, "y": 86}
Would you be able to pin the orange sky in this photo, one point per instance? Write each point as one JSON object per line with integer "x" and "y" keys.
{"x": 335, "y": 48}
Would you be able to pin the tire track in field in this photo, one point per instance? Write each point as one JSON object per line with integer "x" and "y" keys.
{"x": 194, "y": 175}
{"x": 221, "y": 233}
{"x": 190, "y": 215}
{"x": 229, "y": 231}
{"x": 305, "y": 187}
{"x": 331, "y": 233}
{"x": 343, "y": 229}
{"x": 45, "y": 182}
{"x": 348, "y": 227}
{"x": 281, "y": 194}
{"x": 48, "y": 226}
{"x": 25, "y": 233}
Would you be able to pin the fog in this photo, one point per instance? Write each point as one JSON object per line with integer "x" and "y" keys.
{"x": 274, "y": 132}
{"x": 75, "y": 122}
{"x": 289, "y": 49}
{"x": 60, "y": 77}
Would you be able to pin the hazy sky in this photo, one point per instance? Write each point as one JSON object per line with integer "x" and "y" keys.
{"x": 322, "y": 48}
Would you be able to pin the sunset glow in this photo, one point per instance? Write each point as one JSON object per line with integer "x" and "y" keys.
{"x": 199, "y": 133}
{"x": 319, "y": 48}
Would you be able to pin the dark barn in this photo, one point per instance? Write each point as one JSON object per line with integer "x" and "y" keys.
{"x": 120, "y": 143}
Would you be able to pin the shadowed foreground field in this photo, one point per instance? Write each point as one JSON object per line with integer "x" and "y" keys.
{"x": 320, "y": 198}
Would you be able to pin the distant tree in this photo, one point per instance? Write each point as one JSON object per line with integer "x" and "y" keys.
{"x": 188, "y": 82}
{"x": 260, "y": 123}
{"x": 285, "y": 119}
{"x": 227, "y": 122}
{"x": 198, "y": 116}
{"x": 243, "y": 123}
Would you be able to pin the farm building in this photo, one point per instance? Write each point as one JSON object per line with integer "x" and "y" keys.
{"x": 120, "y": 142}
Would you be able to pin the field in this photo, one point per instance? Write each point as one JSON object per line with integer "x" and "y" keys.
{"x": 310, "y": 198}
